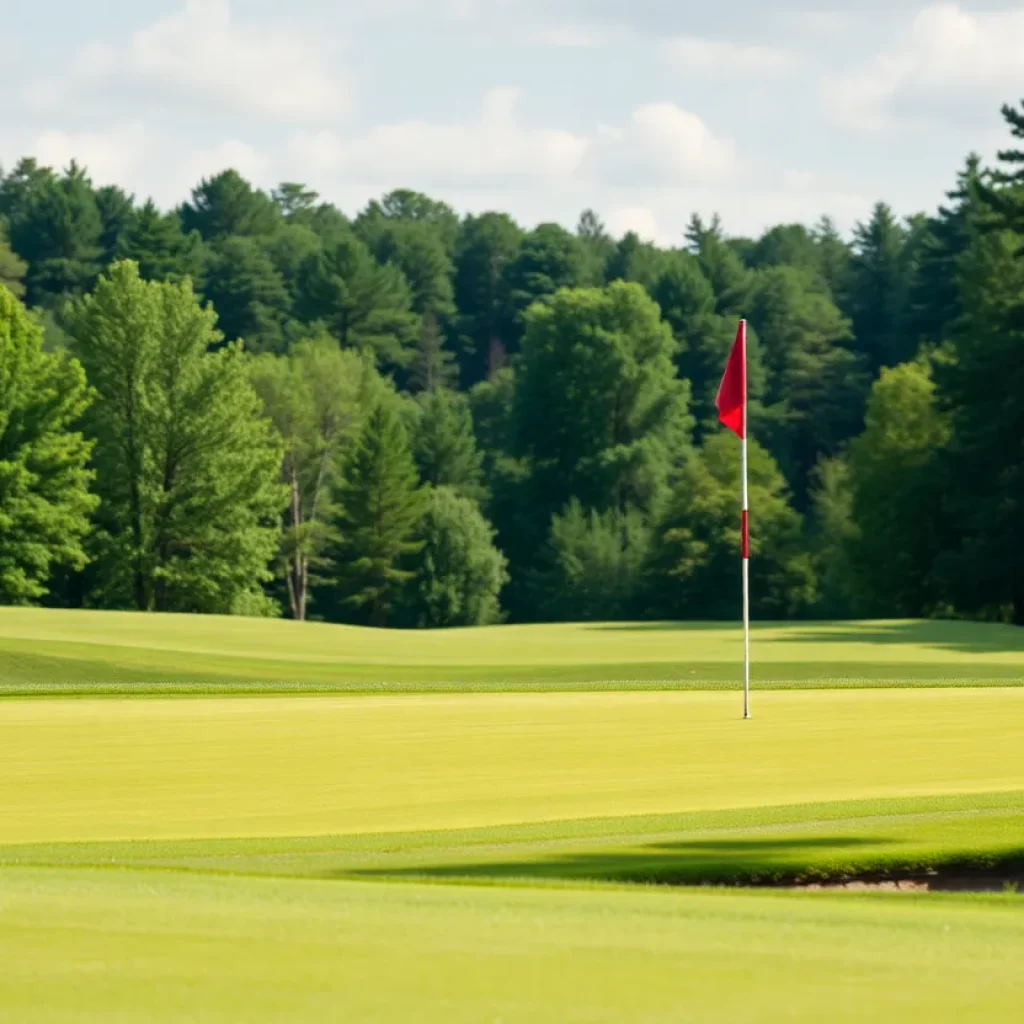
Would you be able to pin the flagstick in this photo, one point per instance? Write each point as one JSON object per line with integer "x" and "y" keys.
{"x": 746, "y": 577}
{"x": 745, "y": 526}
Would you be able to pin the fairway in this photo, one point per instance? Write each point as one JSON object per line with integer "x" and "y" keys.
{"x": 44, "y": 651}
{"x": 113, "y": 769}
{"x": 240, "y": 846}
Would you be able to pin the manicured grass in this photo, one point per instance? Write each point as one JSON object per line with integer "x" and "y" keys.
{"x": 108, "y": 946}
{"x": 235, "y": 767}
{"x": 795, "y": 843}
{"x": 267, "y": 858}
{"x": 43, "y": 652}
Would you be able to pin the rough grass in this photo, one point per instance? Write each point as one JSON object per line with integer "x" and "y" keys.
{"x": 81, "y": 652}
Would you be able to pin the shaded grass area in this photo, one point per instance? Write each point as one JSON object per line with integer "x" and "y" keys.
{"x": 100, "y": 946}
{"x": 796, "y": 844}
{"x": 44, "y": 652}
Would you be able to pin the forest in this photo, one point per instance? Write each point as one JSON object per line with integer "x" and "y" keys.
{"x": 258, "y": 404}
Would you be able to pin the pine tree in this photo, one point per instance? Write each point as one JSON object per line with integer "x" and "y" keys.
{"x": 362, "y": 304}
{"x": 433, "y": 365}
{"x": 57, "y": 232}
{"x": 381, "y": 504}
{"x": 45, "y": 502}
{"x": 226, "y": 205}
{"x": 444, "y": 445}
{"x": 117, "y": 210}
{"x": 162, "y": 250}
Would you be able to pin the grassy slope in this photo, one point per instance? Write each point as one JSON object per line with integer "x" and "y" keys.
{"x": 225, "y": 767}
{"x": 45, "y": 651}
{"x": 107, "y": 946}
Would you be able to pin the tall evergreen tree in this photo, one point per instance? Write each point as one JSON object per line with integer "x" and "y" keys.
{"x": 362, "y": 304}
{"x": 116, "y": 208}
{"x": 381, "y": 505}
{"x": 433, "y": 364}
{"x": 881, "y": 278}
{"x": 57, "y": 232}
{"x": 187, "y": 467}
{"x": 45, "y": 504}
{"x": 226, "y": 205}
{"x": 248, "y": 293}
{"x": 156, "y": 242}
{"x": 444, "y": 445}
{"x": 982, "y": 388}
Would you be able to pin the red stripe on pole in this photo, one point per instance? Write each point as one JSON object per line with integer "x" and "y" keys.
{"x": 746, "y": 534}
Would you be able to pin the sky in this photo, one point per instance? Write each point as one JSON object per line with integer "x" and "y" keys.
{"x": 645, "y": 110}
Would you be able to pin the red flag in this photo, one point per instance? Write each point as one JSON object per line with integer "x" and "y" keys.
{"x": 732, "y": 394}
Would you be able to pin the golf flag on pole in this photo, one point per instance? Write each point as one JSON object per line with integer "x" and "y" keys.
{"x": 732, "y": 411}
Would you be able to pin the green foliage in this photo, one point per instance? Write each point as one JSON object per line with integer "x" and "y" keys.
{"x": 982, "y": 389}
{"x": 156, "y": 242}
{"x": 881, "y": 278}
{"x": 433, "y": 364}
{"x": 45, "y": 502}
{"x": 833, "y": 535}
{"x": 598, "y": 409}
{"x": 444, "y": 444}
{"x": 381, "y": 505}
{"x": 54, "y": 225}
{"x": 487, "y": 245}
{"x": 816, "y": 385}
{"x": 12, "y": 269}
{"x": 897, "y": 493}
{"x": 459, "y": 572}
{"x": 316, "y": 397}
{"x": 594, "y": 565}
{"x": 117, "y": 212}
{"x": 362, "y": 304}
{"x": 549, "y": 258}
{"x": 227, "y": 205}
{"x": 247, "y": 292}
{"x": 187, "y": 468}
{"x": 694, "y": 567}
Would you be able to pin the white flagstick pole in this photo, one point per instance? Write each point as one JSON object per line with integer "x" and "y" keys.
{"x": 746, "y": 545}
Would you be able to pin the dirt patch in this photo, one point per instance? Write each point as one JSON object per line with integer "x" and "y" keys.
{"x": 937, "y": 882}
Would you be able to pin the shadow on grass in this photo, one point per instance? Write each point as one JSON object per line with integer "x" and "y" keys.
{"x": 691, "y": 862}
{"x": 944, "y": 635}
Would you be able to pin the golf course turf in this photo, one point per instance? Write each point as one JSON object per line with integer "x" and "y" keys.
{"x": 460, "y": 831}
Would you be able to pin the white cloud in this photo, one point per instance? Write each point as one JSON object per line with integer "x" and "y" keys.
{"x": 203, "y": 54}
{"x": 714, "y": 58}
{"x": 110, "y": 157}
{"x": 947, "y": 56}
{"x": 663, "y": 143}
{"x": 494, "y": 146}
{"x": 637, "y": 219}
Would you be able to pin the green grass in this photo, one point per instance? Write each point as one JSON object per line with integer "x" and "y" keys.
{"x": 118, "y": 946}
{"x": 442, "y": 855}
{"x": 45, "y": 652}
{"x": 252, "y": 766}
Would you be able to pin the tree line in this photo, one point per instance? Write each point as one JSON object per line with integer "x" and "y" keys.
{"x": 254, "y": 404}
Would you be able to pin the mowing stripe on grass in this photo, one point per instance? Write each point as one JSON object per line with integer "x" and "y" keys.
{"x": 112, "y": 769}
